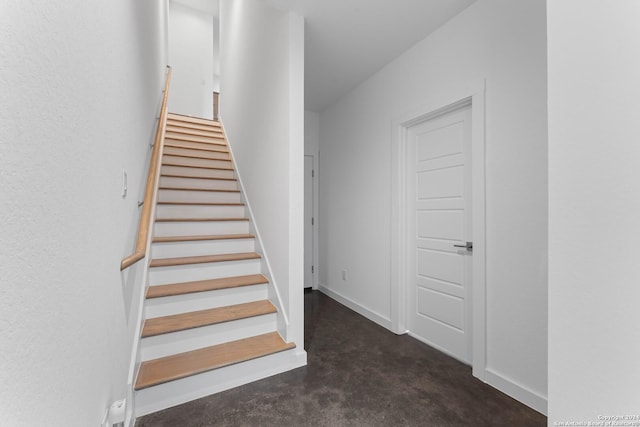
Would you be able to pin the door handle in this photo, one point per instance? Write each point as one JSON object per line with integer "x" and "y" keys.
{"x": 468, "y": 246}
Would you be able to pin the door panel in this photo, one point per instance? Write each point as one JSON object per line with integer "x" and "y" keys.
{"x": 438, "y": 192}
{"x": 440, "y": 142}
{"x": 445, "y": 266}
{"x": 440, "y": 224}
{"x": 442, "y": 307}
{"x": 440, "y": 183}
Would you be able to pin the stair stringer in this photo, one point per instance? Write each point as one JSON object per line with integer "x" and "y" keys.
{"x": 274, "y": 295}
{"x": 136, "y": 348}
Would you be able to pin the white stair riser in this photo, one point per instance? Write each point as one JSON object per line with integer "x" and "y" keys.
{"x": 167, "y": 306}
{"x": 168, "y": 181}
{"x": 178, "y": 120}
{"x": 214, "y": 270}
{"x": 210, "y": 131}
{"x": 200, "y": 211}
{"x": 195, "y": 153}
{"x": 197, "y": 172}
{"x": 173, "y": 160}
{"x": 173, "y": 393}
{"x": 181, "y": 123}
{"x": 191, "y": 339}
{"x": 180, "y": 135}
{"x": 200, "y": 146}
{"x": 193, "y": 228}
{"x": 202, "y": 247}
{"x": 198, "y": 196}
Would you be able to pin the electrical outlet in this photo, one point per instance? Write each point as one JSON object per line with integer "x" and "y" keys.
{"x": 344, "y": 275}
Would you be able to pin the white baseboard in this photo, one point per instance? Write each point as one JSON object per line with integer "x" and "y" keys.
{"x": 513, "y": 389}
{"x": 360, "y": 309}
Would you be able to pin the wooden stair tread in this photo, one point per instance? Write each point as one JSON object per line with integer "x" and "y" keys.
{"x": 183, "y": 164}
{"x": 202, "y": 259}
{"x": 214, "y": 190}
{"x": 158, "y": 371}
{"x": 190, "y": 125}
{"x": 202, "y": 146}
{"x": 189, "y": 160}
{"x": 219, "y": 140}
{"x": 191, "y": 119}
{"x": 204, "y": 285}
{"x": 170, "y": 239}
{"x": 202, "y": 219}
{"x": 211, "y": 316}
{"x": 201, "y": 203}
{"x": 182, "y": 175}
{"x": 199, "y": 132}
{"x": 194, "y": 153}
{"x": 205, "y": 155}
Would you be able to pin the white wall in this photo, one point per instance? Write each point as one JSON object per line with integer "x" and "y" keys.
{"x": 594, "y": 183}
{"x": 191, "y": 50}
{"x": 505, "y": 42}
{"x": 81, "y": 82}
{"x": 311, "y": 133}
{"x": 262, "y": 108}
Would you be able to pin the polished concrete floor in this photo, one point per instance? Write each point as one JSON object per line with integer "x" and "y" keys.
{"x": 358, "y": 374}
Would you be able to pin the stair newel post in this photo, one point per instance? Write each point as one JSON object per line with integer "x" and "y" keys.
{"x": 216, "y": 105}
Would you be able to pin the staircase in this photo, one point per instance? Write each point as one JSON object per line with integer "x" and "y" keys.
{"x": 209, "y": 324}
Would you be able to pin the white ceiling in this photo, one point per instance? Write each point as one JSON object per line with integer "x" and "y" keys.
{"x": 346, "y": 41}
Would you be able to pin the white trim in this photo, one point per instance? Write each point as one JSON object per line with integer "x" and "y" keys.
{"x": 478, "y": 227}
{"x": 134, "y": 359}
{"x": 358, "y": 308}
{"x": 295, "y": 276}
{"x": 283, "y": 318}
{"x": 517, "y": 391}
{"x": 441, "y": 102}
{"x": 314, "y": 226}
{"x": 316, "y": 216}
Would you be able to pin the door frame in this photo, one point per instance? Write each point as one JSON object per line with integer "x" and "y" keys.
{"x": 314, "y": 213}
{"x": 447, "y": 99}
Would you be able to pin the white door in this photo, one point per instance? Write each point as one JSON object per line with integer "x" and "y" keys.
{"x": 308, "y": 221}
{"x": 439, "y": 216}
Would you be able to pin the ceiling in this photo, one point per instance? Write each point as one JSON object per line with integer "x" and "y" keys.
{"x": 346, "y": 41}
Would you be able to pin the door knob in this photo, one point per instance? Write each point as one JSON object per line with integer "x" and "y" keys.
{"x": 468, "y": 246}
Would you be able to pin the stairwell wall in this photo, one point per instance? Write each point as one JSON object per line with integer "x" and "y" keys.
{"x": 504, "y": 42}
{"x": 191, "y": 56}
{"x": 594, "y": 183}
{"x": 262, "y": 108}
{"x": 81, "y": 83}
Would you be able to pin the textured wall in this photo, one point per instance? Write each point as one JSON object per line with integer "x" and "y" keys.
{"x": 262, "y": 109}
{"x": 191, "y": 58}
{"x": 594, "y": 209}
{"x": 80, "y": 84}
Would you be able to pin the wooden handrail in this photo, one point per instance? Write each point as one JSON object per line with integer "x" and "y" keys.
{"x": 152, "y": 180}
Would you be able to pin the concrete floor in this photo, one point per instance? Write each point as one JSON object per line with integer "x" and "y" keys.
{"x": 358, "y": 374}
